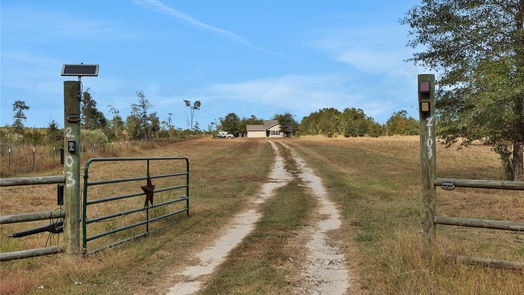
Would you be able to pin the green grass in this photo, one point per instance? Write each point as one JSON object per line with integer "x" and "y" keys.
{"x": 261, "y": 264}
{"x": 376, "y": 183}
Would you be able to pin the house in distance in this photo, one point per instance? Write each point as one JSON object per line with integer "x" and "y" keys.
{"x": 270, "y": 128}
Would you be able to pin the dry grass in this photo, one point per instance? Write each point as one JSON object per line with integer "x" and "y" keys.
{"x": 223, "y": 177}
{"x": 26, "y": 158}
{"x": 376, "y": 183}
{"x": 271, "y": 258}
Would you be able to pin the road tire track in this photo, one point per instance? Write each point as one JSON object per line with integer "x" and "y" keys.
{"x": 326, "y": 271}
{"x": 193, "y": 277}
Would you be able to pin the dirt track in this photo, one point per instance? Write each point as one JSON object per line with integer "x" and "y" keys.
{"x": 325, "y": 271}
{"x": 191, "y": 279}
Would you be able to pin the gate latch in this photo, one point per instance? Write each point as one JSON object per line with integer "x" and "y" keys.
{"x": 449, "y": 186}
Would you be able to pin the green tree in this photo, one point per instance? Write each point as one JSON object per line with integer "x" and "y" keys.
{"x": 92, "y": 118}
{"x": 251, "y": 120}
{"x": 116, "y": 125}
{"x": 55, "y": 136}
{"x": 400, "y": 124}
{"x": 138, "y": 123}
{"x": 287, "y": 122}
{"x": 168, "y": 125}
{"x": 192, "y": 108}
{"x": 154, "y": 125}
{"x": 477, "y": 47}
{"x": 19, "y": 107}
{"x": 230, "y": 123}
{"x": 375, "y": 129}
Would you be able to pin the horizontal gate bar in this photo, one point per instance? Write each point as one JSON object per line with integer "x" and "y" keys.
{"x": 31, "y": 180}
{"x": 135, "y": 225}
{"x": 134, "y": 195}
{"x": 88, "y": 221}
{"x": 134, "y": 159}
{"x": 489, "y": 262}
{"x": 482, "y": 223}
{"x": 32, "y": 216}
{"x": 135, "y": 178}
{"x": 117, "y": 243}
{"x": 30, "y": 253}
{"x": 493, "y": 184}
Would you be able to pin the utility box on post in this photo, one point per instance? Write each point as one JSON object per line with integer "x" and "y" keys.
{"x": 426, "y": 101}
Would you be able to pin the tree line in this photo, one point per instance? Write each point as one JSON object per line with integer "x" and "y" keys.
{"x": 141, "y": 124}
{"x": 350, "y": 122}
{"x": 353, "y": 122}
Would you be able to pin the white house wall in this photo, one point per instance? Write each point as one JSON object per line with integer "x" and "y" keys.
{"x": 256, "y": 134}
{"x": 275, "y": 128}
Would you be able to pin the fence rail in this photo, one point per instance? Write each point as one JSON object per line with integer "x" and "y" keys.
{"x": 471, "y": 183}
{"x": 31, "y": 180}
{"x": 30, "y": 253}
{"x": 34, "y": 216}
{"x": 496, "y": 263}
{"x": 6, "y": 219}
{"x": 482, "y": 223}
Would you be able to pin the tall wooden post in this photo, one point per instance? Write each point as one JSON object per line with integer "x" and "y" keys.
{"x": 426, "y": 100}
{"x": 72, "y": 166}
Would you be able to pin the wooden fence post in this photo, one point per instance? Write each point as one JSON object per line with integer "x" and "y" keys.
{"x": 34, "y": 164}
{"x": 9, "y": 162}
{"x": 426, "y": 100}
{"x": 72, "y": 166}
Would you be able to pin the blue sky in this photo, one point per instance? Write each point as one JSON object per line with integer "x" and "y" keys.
{"x": 247, "y": 57}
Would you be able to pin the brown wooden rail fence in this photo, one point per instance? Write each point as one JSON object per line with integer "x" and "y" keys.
{"x": 6, "y": 219}
{"x": 429, "y": 181}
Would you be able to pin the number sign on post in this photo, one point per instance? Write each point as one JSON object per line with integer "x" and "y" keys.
{"x": 72, "y": 166}
{"x": 426, "y": 100}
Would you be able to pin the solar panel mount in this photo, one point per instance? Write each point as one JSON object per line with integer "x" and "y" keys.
{"x": 80, "y": 70}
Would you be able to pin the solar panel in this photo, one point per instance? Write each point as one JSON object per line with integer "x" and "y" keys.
{"x": 80, "y": 70}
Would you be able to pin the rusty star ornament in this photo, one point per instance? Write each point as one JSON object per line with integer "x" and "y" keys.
{"x": 149, "y": 189}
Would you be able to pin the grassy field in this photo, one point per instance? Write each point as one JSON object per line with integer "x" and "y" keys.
{"x": 376, "y": 184}
{"x": 375, "y": 181}
{"x": 29, "y": 159}
{"x": 223, "y": 178}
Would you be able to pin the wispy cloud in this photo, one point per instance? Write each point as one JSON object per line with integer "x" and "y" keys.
{"x": 373, "y": 50}
{"x": 298, "y": 94}
{"x": 49, "y": 25}
{"x": 377, "y": 55}
{"x": 159, "y": 6}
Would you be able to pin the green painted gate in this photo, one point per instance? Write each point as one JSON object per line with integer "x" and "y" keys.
{"x": 148, "y": 191}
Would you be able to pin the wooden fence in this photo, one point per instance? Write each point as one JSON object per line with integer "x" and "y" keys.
{"x": 429, "y": 181}
{"x": 6, "y": 219}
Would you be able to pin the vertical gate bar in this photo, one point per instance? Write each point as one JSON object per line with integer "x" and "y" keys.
{"x": 187, "y": 186}
{"x": 72, "y": 97}
{"x": 147, "y": 210}
{"x": 84, "y": 208}
{"x": 426, "y": 99}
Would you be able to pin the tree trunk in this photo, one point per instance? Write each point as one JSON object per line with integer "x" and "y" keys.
{"x": 517, "y": 161}
{"x": 518, "y": 142}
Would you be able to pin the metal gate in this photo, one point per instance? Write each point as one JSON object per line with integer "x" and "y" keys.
{"x": 148, "y": 191}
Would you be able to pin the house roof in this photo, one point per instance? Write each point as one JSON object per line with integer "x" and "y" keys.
{"x": 270, "y": 123}
{"x": 256, "y": 128}
{"x": 267, "y": 124}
